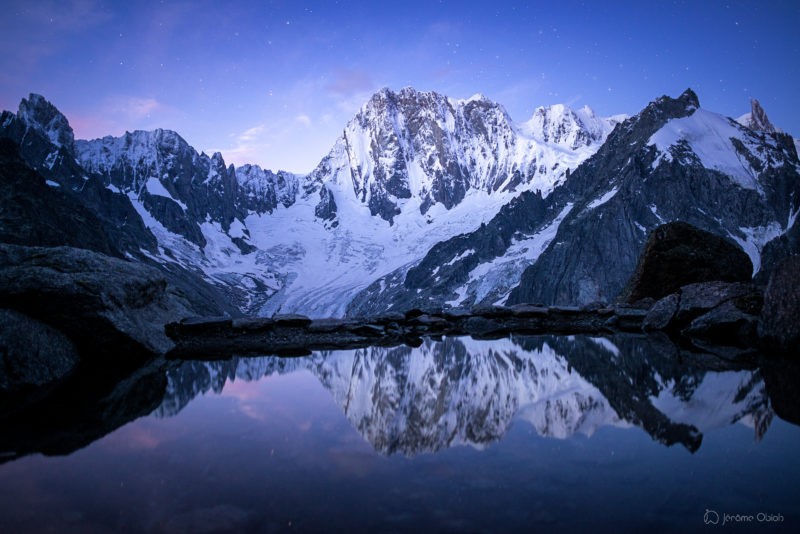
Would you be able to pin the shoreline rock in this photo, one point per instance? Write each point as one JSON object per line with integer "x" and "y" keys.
{"x": 220, "y": 338}
{"x": 779, "y": 324}
{"x": 110, "y": 308}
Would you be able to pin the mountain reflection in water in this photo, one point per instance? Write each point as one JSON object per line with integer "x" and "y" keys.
{"x": 557, "y": 434}
{"x": 462, "y": 391}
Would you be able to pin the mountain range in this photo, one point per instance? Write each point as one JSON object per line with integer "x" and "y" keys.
{"x": 423, "y": 201}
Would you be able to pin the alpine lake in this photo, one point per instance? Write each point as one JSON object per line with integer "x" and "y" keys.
{"x": 519, "y": 434}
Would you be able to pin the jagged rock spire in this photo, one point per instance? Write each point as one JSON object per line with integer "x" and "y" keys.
{"x": 758, "y": 118}
{"x": 38, "y": 113}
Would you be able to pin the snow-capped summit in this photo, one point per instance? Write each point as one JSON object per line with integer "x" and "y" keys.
{"x": 573, "y": 129}
{"x": 410, "y": 150}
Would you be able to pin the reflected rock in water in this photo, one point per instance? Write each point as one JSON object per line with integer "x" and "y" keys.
{"x": 90, "y": 403}
{"x": 462, "y": 391}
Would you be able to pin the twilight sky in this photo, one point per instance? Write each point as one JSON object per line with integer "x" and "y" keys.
{"x": 274, "y": 82}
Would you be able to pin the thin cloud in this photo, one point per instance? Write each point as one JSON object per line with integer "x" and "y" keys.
{"x": 251, "y": 144}
{"x": 574, "y": 100}
{"x": 353, "y": 103}
{"x": 138, "y": 108}
{"x": 303, "y": 119}
{"x": 250, "y": 134}
{"x": 138, "y": 112}
{"x": 347, "y": 82}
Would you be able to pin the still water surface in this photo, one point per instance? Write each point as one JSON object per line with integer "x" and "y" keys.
{"x": 536, "y": 434}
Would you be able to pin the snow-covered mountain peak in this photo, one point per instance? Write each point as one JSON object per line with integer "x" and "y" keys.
{"x": 477, "y": 97}
{"x": 718, "y": 143}
{"x": 411, "y": 150}
{"x": 41, "y": 115}
{"x": 407, "y": 101}
{"x": 151, "y": 148}
{"x": 560, "y": 125}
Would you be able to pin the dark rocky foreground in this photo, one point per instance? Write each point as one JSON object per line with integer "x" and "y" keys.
{"x": 721, "y": 318}
{"x": 221, "y": 338}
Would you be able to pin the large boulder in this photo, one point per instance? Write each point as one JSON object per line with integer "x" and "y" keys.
{"x": 725, "y": 324}
{"x": 698, "y": 299}
{"x": 779, "y": 325}
{"x": 677, "y": 254}
{"x": 105, "y": 305}
{"x": 661, "y": 313}
{"x": 32, "y": 354}
{"x": 724, "y": 313}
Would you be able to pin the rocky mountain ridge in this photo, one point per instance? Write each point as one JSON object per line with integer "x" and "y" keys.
{"x": 427, "y": 201}
{"x": 412, "y": 168}
{"x": 414, "y": 149}
{"x": 673, "y": 161}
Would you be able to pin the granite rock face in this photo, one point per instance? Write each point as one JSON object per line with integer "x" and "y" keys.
{"x": 32, "y": 354}
{"x": 661, "y": 313}
{"x": 107, "y": 306}
{"x": 36, "y": 213}
{"x": 757, "y": 118}
{"x": 326, "y": 209}
{"x": 779, "y": 325}
{"x": 36, "y": 110}
{"x": 199, "y": 187}
{"x": 677, "y": 254}
{"x": 180, "y": 188}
